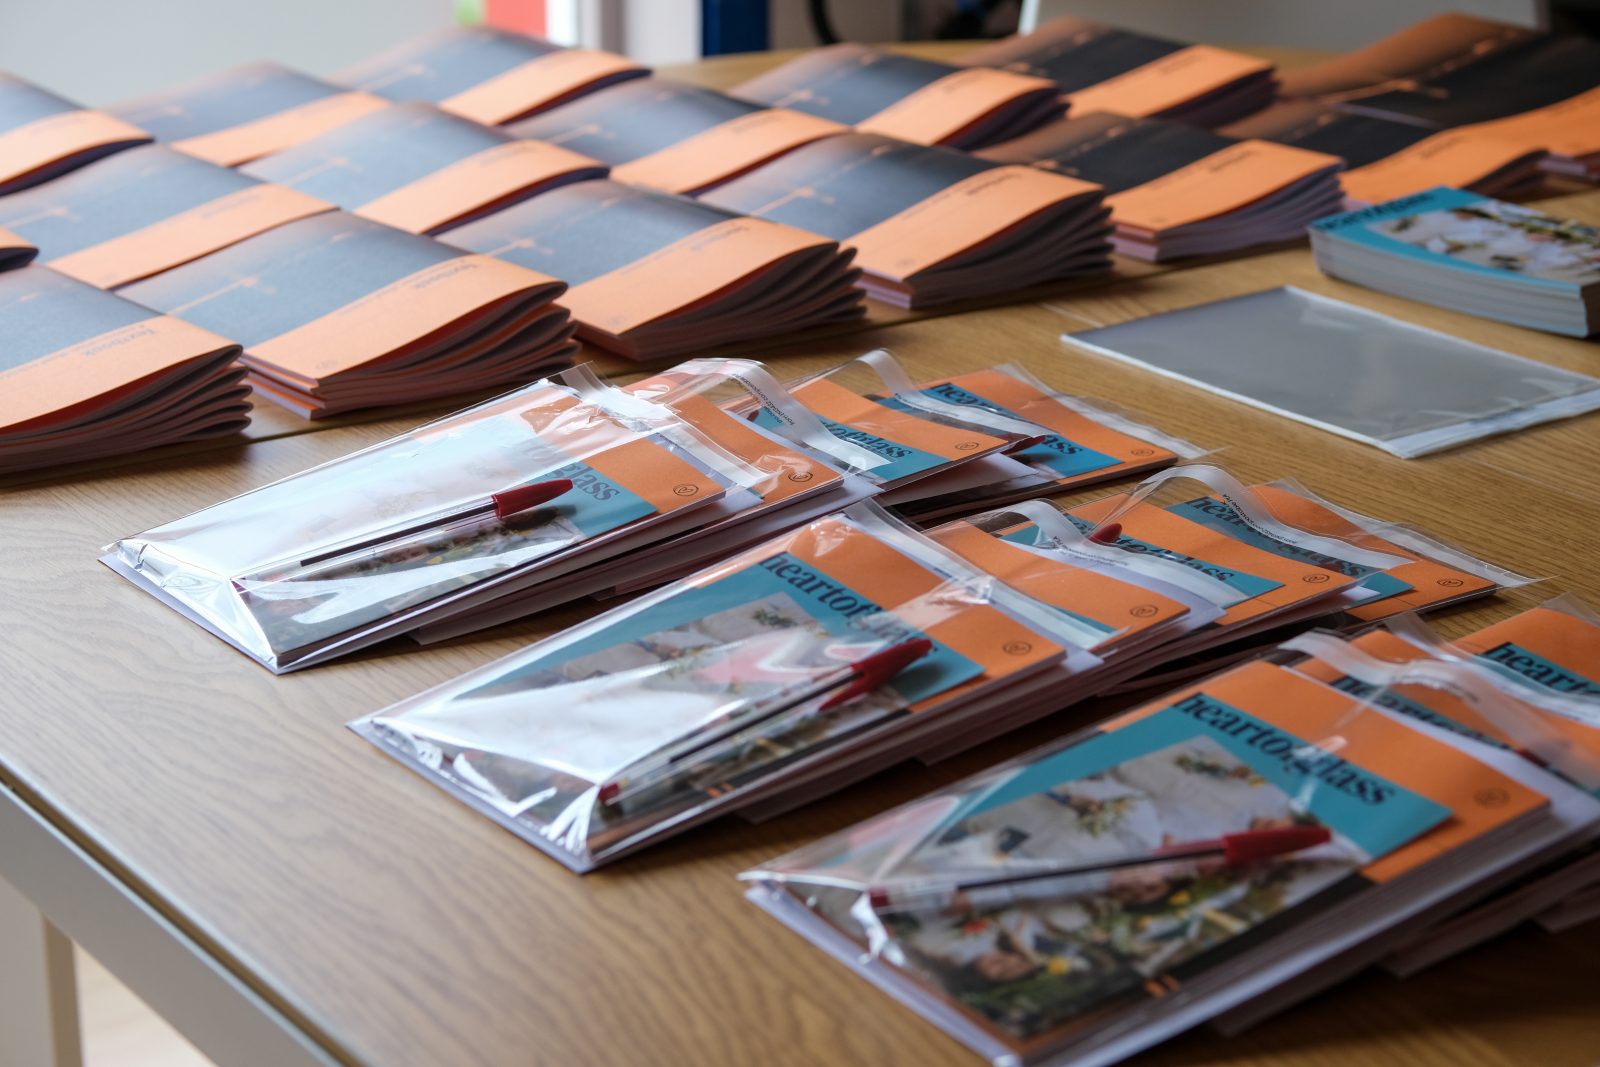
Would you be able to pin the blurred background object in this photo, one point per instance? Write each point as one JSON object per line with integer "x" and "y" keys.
{"x": 99, "y": 51}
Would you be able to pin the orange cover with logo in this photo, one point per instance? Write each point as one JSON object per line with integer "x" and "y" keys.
{"x": 1126, "y": 608}
{"x": 1547, "y": 647}
{"x": 1212, "y": 553}
{"x": 837, "y": 404}
{"x": 1480, "y": 798}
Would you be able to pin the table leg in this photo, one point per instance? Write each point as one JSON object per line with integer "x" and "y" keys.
{"x": 38, "y": 989}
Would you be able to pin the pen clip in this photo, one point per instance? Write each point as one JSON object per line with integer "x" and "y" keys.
{"x": 879, "y": 669}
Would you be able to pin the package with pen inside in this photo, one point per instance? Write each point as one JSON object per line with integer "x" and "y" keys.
{"x": 1098, "y": 895}
{"x": 801, "y": 473}
{"x": 1552, "y": 738}
{"x": 725, "y": 688}
{"x": 508, "y": 494}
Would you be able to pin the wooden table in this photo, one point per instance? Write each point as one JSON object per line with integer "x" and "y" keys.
{"x": 286, "y": 895}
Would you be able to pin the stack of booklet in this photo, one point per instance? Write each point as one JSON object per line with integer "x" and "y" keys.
{"x": 488, "y": 75}
{"x": 85, "y": 373}
{"x": 677, "y": 138}
{"x": 416, "y": 168}
{"x": 1175, "y": 190}
{"x": 144, "y": 211}
{"x": 246, "y": 112}
{"x": 1102, "y": 68}
{"x": 1388, "y": 157}
{"x": 863, "y": 441}
{"x": 1515, "y": 686}
{"x": 43, "y": 135}
{"x": 520, "y": 490}
{"x": 1463, "y": 251}
{"x": 1234, "y": 840}
{"x": 1491, "y": 102}
{"x": 852, "y": 643}
{"x": 336, "y": 312}
{"x": 654, "y": 275}
{"x": 14, "y": 251}
{"x": 930, "y": 225}
{"x": 917, "y": 100}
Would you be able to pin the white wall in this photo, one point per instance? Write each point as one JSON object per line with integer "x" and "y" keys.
{"x": 100, "y": 51}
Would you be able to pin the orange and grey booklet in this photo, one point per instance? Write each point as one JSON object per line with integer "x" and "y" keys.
{"x": 653, "y": 275}
{"x": 246, "y": 112}
{"x": 416, "y": 168}
{"x": 338, "y": 312}
{"x": 674, "y": 137}
{"x": 1453, "y": 69}
{"x": 918, "y": 100}
{"x": 43, "y": 135}
{"x": 930, "y": 225}
{"x": 1389, "y": 158}
{"x": 144, "y": 211}
{"x": 86, "y": 374}
{"x": 14, "y": 251}
{"x": 488, "y": 75}
{"x": 1175, "y": 190}
{"x": 1102, "y": 68}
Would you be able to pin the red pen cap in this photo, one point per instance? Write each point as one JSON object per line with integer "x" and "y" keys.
{"x": 1107, "y": 534}
{"x": 877, "y": 669}
{"x": 1027, "y": 443}
{"x": 1255, "y": 845}
{"x": 522, "y": 498}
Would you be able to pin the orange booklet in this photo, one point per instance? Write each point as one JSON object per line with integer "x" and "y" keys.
{"x": 337, "y": 312}
{"x": 1086, "y": 444}
{"x": 14, "y": 251}
{"x": 1102, "y": 68}
{"x": 930, "y": 225}
{"x": 1122, "y": 611}
{"x": 416, "y": 168}
{"x": 488, "y": 75}
{"x": 1177, "y": 190}
{"x": 653, "y": 275}
{"x": 1423, "y": 584}
{"x": 85, "y": 373}
{"x": 673, "y": 137}
{"x": 147, "y": 210}
{"x": 1453, "y": 69}
{"x": 1556, "y": 646}
{"x": 1388, "y": 157}
{"x": 42, "y": 134}
{"x": 1271, "y": 582}
{"x": 918, "y": 100}
{"x": 244, "y": 113}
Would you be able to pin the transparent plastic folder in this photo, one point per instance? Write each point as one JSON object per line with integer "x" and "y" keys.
{"x": 1342, "y": 368}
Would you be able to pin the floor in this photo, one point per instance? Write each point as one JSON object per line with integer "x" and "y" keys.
{"x": 119, "y": 1031}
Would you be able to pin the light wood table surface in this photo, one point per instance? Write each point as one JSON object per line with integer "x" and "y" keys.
{"x": 396, "y": 927}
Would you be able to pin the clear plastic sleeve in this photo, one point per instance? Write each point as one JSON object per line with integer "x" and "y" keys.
{"x": 714, "y": 691}
{"x": 1360, "y": 374}
{"x": 1556, "y": 731}
{"x": 1041, "y": 912}
{"x": 428, "y": 523}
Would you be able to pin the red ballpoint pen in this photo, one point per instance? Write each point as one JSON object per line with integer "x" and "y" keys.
{"x": 501, "y": 506}
{"x": 979, "y": 894}
{"x": 851, "y": 680}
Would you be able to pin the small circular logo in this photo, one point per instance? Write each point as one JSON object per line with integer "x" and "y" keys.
{"x": 801, "y": 476}
{"x": 685, "y": 489}
{"x": 966, "y": 446}
{"x": 1017, "y": 648}
{"x": 1493, "y": 797}
{"x": 1451, "y": 583}
{"x": 1143, "y": 611}
{"x": 1315, "y": 579}
{"x": 1141, "y": 451}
